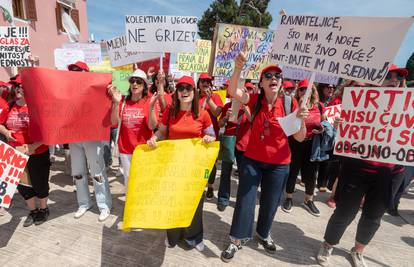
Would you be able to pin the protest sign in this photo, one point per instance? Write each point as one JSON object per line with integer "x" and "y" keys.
{"x": 12, "y": 164}
{"x": 120, "y": 79}
{"x": 229, "y": 40}
{"x": 198, "y": 61}
{"x": 67, "y": 106}
{"x": 348, "y": 47}
{"x": 222, "y": 94}
{"x": 14, "y": 46}
{"x": 92, "y": 51}
{"x": 176, "y": 73}
{"x": 332, "y": 112}
{"x": 378, "y": 125}
{"x": 219, "y": 81}
{"x": 161, "y": 33}
{"x": 119, "y": 56}
{"x": 299, "y": 74}
{"x": 105, "y": 66}
{"x": 155, "y": 63}
{"x": 65, "y": 57}
{"x": 164, "y": 188}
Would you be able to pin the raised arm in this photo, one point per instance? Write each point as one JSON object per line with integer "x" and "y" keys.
{"x": 237, "y": 93}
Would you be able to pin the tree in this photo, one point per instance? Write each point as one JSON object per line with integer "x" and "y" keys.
{"x": 249, "y": 13}
{"x": 410, "y": 67}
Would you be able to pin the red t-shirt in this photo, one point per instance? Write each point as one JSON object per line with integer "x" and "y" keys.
{"x": 4, "y": 111}
{"x": 134, "y": 125}
{"x": 186, "y": 125}
{"x": 243, "y": 133}
{"x": 274, "y": 147}
{"x": 336, "y": 101}
{"x": 157, "y": 106}
{"x": 313, "y": 121}
{"x": 5, "y": 94}
{"x": 18, "y": 122}
{"x": 202, "y": 103}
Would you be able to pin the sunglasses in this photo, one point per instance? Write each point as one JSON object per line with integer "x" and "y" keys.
{"x": 205, "y": 80}
{"x": 138, "y": 81}
{"x": 187, "y": 88}
{"x": 302, "y": 89}
{"x": 389, "y": 76}
{"x": 270, "y": 75}
{"x": 75, "y": 69}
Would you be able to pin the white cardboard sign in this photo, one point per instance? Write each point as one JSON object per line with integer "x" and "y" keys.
{"x": 332, "y": 112}
{"x": 299, "y": 74}
{"x": 161, "y": 33}
{"x": 65, "y": 57}
{"x": 357, "y": 48}
{"x": 92, "y": 51}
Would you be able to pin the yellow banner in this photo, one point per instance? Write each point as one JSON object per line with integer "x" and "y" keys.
{"x": 165, "y": 185}
{"x": 197, "y": 61}
{"x": 222, "y": 94}
{"x": 105, "y": 66}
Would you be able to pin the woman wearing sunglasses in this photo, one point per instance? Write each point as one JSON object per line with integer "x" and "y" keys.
{"x": 376, "y": 182}
{"x": 213, "y": 104}
{"x": 301, "y": 152}
{"x": 15, "y": 126}
{"x": 184, "y": 119}
{"x": 133, "y": 115}
{"x": 266, "y": 160}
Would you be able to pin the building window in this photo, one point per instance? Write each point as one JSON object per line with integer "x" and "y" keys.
{"x": 63, "y": 7}
{"x": 18, "y": 9}
{"x": 25, "y": 9}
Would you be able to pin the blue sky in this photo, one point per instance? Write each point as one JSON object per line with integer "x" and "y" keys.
{"x": 106, "y": 17}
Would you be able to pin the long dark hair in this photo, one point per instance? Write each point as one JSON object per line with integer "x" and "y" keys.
{"x": 144, "y": 92}
{"x": 154, "y": 85}
{"x": 321, "y": 87}
{"x": 176, "y": 104}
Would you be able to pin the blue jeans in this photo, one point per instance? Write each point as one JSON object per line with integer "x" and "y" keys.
{"x": 225, "y": 178}
{"x": 272, "y": 180}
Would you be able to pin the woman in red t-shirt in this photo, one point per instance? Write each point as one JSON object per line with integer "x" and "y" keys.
{"x": 212, "y": 103}
{"x": 266, "y": 160}
{"x": 301, "y": 152}
{"x": 185, "y": 120}
{"x": 15, "y": 126}
{"x": 134, "y": 117}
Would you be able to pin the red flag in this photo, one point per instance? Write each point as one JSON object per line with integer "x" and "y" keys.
{"x": 67, "y": 106}
{"x": 145, "y": 65}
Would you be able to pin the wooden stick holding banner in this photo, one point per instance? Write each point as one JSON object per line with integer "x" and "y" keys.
{"x": 308, "y": 90}
{"x": 161, "y": 61}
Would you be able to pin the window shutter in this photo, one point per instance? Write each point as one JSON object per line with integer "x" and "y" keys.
{"x": 31, "y": 13}
{"x": 74, "y": 14}
{"x": 59, "y": 24}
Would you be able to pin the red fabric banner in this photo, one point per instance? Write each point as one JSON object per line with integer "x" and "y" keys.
{"x": 67, "y": 106}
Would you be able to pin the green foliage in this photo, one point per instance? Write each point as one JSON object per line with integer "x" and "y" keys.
{"x": 249, "y": 13}
{"x": 410, "y": 67}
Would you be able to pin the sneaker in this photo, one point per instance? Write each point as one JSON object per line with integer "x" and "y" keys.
{"x": 210, "y": 193}
{"x": 104, "y": 215}
{"x": 268, "y": 244}
{"x": 324, "y": 254}
{"x": 30, "y": 218}
{"x": 221, "y": 207}
{"x": 357, "y": 259}
{"x": 302, "y": 184}
{"x": 323, "y": 189}
{"x": 41, "y": 216}
{"x": 80, "y": 212}
{"x": 167, "y": 243}
{"x": 331, "y": 203}
{"x": 200, "y": 246}
{"x": 311, "y": 208}
{"x": 287, "y": 205}
{"x": 228, "y": 254}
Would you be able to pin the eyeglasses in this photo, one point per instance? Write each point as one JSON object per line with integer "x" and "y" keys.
{"x": 266, "y": 130}
{"x": 205, "y": 80}
{"x": 75, "y": 68}
{"x": 270, "y": 75}
{"x": 138, "y": 81}
{"x": 302, "y": 89}
{"x": 187, "y": 88}
{"x": 397, "y": 75}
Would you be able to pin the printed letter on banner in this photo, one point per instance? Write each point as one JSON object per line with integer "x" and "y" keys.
{"x": 14, "y": 46}
{"x": 378, "y": 125}
{"x": 161, "y": 33}
{"x": 348, "y": 47}
{"x": 12, "y": 164}
{"x": 166, "y": 184}
{"x": 198, "y": 61}
{"x": 231, "y": 39}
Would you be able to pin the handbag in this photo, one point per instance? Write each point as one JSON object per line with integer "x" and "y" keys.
{"x": 228, "y": 144}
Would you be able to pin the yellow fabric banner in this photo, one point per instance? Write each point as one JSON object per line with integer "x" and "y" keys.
{"x": 165, "y": 184}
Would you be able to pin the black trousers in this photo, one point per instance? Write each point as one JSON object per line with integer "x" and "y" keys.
{"x": 38, "y": 167}
{"x": 192, "y": 233}
{"x": 328, "y": 171}
{"x": 301, "y": 152}
{"x": 212, "y": 176}
{"x": 355, "y": 183}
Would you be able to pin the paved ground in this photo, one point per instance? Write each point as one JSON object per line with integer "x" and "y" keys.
{"x": 64, "y": 241}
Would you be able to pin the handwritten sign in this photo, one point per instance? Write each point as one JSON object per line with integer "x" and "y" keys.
{"x": 67, "y": 106}
{"x": 12, "y": 164}
{"x": 164, "y": 190}
{"x": 120, "y": 56}
{"x": 378, "y": 125}
{"x": 348, "y": 47}
{"x": 332, "y": 112}
{"x": 198, "y": 61}
{"x": 14, "y": 46}
{"x": 92, "y": 51}
{"x": 231, "y": 39}
{"x": 161, "y": 33}
{"x": 299, "y": 74}
{"x": 65, "y": 57}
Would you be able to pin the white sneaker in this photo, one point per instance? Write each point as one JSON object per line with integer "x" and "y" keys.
{"x": 200, "y": 246}
{"x": 104, "y": 215}
{"x": 80, "y": 212}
